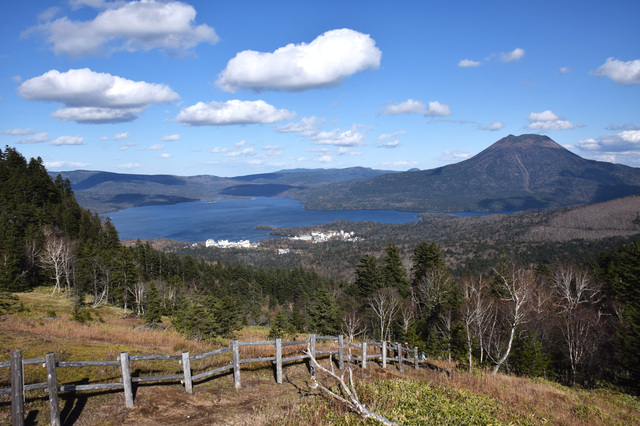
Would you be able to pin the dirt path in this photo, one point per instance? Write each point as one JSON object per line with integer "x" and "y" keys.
{"x": 259, "y": 401}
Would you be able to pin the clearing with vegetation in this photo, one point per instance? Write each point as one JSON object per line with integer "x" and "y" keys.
{"x": 37, "y": 323}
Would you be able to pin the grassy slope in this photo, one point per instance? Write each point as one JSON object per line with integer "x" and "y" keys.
{"x": 422, "y": 397}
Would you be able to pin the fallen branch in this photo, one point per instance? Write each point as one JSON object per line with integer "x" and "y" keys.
{"x": 353, "y": 403}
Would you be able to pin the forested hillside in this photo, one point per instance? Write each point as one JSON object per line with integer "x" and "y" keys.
{"x": 569, "y": 319}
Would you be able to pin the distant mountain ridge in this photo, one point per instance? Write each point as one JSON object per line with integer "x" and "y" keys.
{"x": 106, "y": 191}
{"x": 523, "y": 172}
{"x": 515, "y": 173}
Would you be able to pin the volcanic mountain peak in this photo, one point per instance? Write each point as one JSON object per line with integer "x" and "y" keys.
{"x": 526, "y": 141}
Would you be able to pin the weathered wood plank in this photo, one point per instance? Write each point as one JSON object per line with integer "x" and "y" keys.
{"x": 35, "y": 386}
{"x": 257, "y": 343}
{"x": 212, "y": 372}
{"x": 17, "y": 389}
{"x": 171, "y": 377}
{"x": 294, "y": 358}
{"x": 208, "y": 354}
{"x": 249, "y": 360}
{"x": 126, "y": 379}
{"x": 295, "y": 342}
{"x": 186, "y": 372}
{"x": 52, "y": 388}
{"x": 96, "y": 386}
{"x": 63, "y": 364}
{"x": 153, "y": 357}
{"x": 279, "y": 360}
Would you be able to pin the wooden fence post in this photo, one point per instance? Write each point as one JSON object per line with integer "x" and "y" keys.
{"x": 236, "y": 363}
{"x": 17, "y": 389}
{"x": 279, "y": 360}
{"x": 52, "y": 387}
{"x": 364, "y": 354}
{"x": 341, "y": 352}
{"x": 312, "y": 350}
{"x": 383, "y": 348}
{"x": 399, "y": 347}
{"x": 415, "y": 357}
{"x": 126, "y": 379}
{"x": 186, "y": 369}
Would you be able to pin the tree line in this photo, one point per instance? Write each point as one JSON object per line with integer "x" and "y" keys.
{"x": 576, "y": 323}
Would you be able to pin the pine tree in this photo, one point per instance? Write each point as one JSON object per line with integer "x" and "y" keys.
{"x": 368, "y": 277}
{"x": 279, "y": 325}
{"x": 426, "y": 256}
{"x": 153, "y": 308}
{"x": 393, "y": 272}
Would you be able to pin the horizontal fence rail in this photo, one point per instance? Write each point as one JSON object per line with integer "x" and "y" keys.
{"x": 385, "y": 352}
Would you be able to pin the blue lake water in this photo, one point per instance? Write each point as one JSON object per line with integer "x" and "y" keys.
{"x": 234, "y": 220}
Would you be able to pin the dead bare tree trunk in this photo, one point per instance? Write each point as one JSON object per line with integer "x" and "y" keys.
{"x": 350, "y": 398}
{"x": 514, "y": 286}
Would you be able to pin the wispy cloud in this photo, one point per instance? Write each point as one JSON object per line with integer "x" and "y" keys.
{"x": 18, "y": 132}
{"x": 64, "y": 164}
{"x": 68, "y": 140}
{"x": 411, "y": 106}
{"x": 37, "y": 138}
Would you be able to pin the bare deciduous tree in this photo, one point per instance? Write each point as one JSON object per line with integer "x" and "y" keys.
{"x": 353, "y": 326}
{"x": 433, "y": 290}
{"x": 56, "y": 251}
{"x": 385, "y": 304}
{"x": 476, "y": 313}
{"x": 576, "y": 296}
{"x": 514, "y": 286}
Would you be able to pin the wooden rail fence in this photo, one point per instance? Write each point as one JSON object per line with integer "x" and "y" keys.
{"x": 385, "y": 352}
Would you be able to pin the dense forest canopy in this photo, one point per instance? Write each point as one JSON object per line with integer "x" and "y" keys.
{"x": 576, "y": 322}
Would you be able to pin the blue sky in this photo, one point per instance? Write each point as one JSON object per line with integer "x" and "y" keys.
{"x": 233, "y": 88}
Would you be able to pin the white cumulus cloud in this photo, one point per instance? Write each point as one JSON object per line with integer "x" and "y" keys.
{"x": 411, "y": 106}
{"x": 337, "y": 137}
{"x": 128, "y": 26}
{"x": 92, "y": 97}
{"x": 468, "y": 63}
{"x": 515, "y": 55}
{"x": 68, "y": 140}
{"x": 619, "y": 71}
{"x": 169, "y": 138}
{"x": 494, "y": 125}
{"x": 627, "y": 141}
{"x": 437, "y": 109}
{"x": 247, "y": 152}
{"x": 37, "y": 138}
{"x": 232, "y": 112}
{"x": 326, "y": 61}
{"x": 547, "y": 120}
{"x": 306, "y": 127}
{"x": 121, "y": 136}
